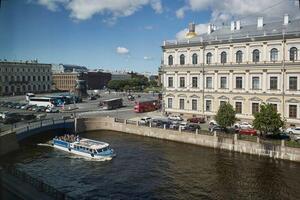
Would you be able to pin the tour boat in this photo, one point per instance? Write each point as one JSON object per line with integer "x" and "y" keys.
{"x": 84, "y": 147}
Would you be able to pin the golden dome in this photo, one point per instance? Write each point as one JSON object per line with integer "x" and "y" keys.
{"x": 190, "y": 35}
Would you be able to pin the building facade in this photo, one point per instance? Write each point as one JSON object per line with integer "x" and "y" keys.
{"x": 66, "y": 81}
{"x": 23, "y": 77}
{"x": 243, "y": 65}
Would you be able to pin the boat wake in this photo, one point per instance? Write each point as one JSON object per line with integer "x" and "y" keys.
{"x": 88, "y": 159}
{"x": 44, "y": 145}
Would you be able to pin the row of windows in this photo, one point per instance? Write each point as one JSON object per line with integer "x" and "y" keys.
{"x": 238, "y": 106}
{"x": 293, "y": 82}
{"x": 24, "y": 88}
{"x": 13, "y": 69}
{"x": 239, "y": 57}
{"x": 24, "y": 78}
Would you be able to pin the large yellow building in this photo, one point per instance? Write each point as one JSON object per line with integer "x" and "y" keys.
{"x": 243, "y": 65}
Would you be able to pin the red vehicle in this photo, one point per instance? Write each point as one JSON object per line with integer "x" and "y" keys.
{"x": 247, "y": 132}
{"x": 196, "y": 120}
{"x": 146, "y": 106}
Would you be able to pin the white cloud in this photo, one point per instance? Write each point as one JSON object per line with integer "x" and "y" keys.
{"x": 200, "y": 28}
{"x": 52, "y": 4}
{"x": 223, "y": 11}
{"x": 181, "y": 11}
{"x": 148, "y": 58}
{"x": 112, "y": 9}
{"x": 122, "y": 50}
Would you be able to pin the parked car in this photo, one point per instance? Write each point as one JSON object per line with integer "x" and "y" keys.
{"x": 295, "y": 131}
{"x": 278, "y": 136}
{"x": 183, "y": 125}
{"x": 130, "y": 97}
{"x": 211, "y": 125}
{"x": 196, "y": 120}
{"x": 145, "y": 120}
{"x": 156, "y": 122}
{"x": 193, "y": 126}
{"x": 24, "y": 107}
{"x": 248, "y": 131}
{"x": 213, "y": 128}
{"x": 175, "y": 118}
{"x": 92, "y": 98}
{"x": 174, "y": 125}
{"x": 243, "y": 125}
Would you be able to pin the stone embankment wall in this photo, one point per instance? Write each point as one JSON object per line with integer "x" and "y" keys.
{"x": 8, "y": 143}
{"x": 231, "y": 144}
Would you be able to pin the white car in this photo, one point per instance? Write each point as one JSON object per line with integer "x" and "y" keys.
{"x": 243, "y": 125}
{"x": 294, "y": 133}
{"x": 175, "y": 118}
{"x": 183, "y": 125}
{"x": 145, "y": 120}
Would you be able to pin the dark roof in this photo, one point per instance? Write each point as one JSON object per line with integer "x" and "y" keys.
{"x": 246, "y": 32}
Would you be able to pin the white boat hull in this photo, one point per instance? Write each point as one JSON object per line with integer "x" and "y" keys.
{"x": 79, "y": 153}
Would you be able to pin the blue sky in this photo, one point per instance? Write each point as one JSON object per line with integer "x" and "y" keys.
{"x": 109, "y": 34}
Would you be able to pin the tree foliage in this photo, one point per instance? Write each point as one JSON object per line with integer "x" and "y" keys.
{"x": 267, "y": 119}
{"x": 135, "y": 84}
{"x": 225, "y": 116}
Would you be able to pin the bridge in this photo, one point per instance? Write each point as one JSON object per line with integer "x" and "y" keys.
{"x": 24, "y": 131}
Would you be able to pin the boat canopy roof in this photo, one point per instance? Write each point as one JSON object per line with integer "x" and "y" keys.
{"x": 92, "y": 144}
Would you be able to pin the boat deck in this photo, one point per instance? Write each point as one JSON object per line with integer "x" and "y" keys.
{"x": 93, "y": 144}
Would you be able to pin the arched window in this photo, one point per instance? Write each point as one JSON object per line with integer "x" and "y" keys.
{"x": 274, "y": 54}
{"x": 24, "y": 88}
{"x": 255, "y": 56}
{"x": 170, "y": 60}
{"x": 29, "y": 88}
{"x": 239, "y": 56}
{"x": 208, "y": 58}
{"x": 182, "y": 59}
{"x": 195, "y": 59}
{"x": 293, "y": 54}
{"x": 223, "y": 57}
{"x": 34, "y": 88}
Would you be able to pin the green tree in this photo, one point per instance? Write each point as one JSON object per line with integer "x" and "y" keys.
{"x": 268, "y": 120}
{"x": 225, "y": 116}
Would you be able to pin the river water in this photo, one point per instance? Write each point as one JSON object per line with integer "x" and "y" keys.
{"x": 147, "y": 168}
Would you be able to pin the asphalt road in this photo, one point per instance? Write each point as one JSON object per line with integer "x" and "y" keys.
{"x": 88, "y": 108}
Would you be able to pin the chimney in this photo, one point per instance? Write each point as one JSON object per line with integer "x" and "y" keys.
{"x": 286, "y": 19}
{"x": 238, "y": 25}
{"x": 209, "y": 29}
{"x": 232, "y": 26}
{"x": 260, "y": 22}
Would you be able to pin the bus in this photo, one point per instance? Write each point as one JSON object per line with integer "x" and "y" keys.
{"x": 49, "y": 102}
{"x": 29, "y": 95}
{"x": 146, "y": 106}
{"x": 112, "y": 103}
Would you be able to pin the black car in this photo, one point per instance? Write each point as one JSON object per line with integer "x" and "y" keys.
{"x": 278, "y": 136}
{"x": 193, "y": 127}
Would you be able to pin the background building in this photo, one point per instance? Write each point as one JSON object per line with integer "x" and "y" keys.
{"x": 60, "y": 68}
{"x": 23, "y": 77}
{"x": 66, "y": 81}
{"x": 245, "y": 65}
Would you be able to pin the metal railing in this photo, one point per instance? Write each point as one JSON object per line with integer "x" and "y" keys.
{"x": 36, "y": 183}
